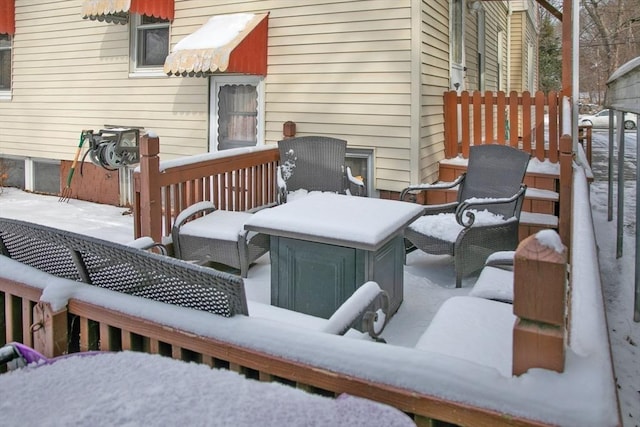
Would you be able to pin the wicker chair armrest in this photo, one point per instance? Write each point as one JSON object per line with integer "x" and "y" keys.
{"x": 204, "y": 207}
{"x": 360, "y": 305}
{"x": 259, "y": 208}
{"x": 466, "y": 218}
{"x": 501, "y": 259}
{"x": 437, "y": 186}
{"x": 374, "y": 322}
{"x": 195, "y": 209}
{"x": 356, "y": 185}
{"x": 281, "y": 197}
{"x": 441, "y": 208}
{"x": 147, "y": 243}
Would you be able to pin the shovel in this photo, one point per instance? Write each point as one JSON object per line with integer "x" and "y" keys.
{"x": 66, "y": 191}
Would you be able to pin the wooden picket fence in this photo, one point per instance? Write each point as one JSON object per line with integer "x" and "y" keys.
{"x": 521, "y": 120}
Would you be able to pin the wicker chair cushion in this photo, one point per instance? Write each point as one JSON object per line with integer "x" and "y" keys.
{"x": 445, "y": 227}
{"x": 218, "y": 225}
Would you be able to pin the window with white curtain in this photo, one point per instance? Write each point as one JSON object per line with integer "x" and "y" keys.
{"x": 236, "y": 119}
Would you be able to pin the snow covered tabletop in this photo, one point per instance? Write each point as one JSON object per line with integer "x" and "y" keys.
{"x": 357, "y": 222}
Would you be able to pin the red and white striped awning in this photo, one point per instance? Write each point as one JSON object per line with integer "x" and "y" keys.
{"x": 7, "y": 17}
{"x": 117, "y": 11}
{"x": 235, "y": 43}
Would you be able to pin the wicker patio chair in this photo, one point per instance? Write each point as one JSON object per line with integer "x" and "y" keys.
{"x": 484, "y": 218}
{"x": 205, "y": 234}
{"x": 315, "y": 163}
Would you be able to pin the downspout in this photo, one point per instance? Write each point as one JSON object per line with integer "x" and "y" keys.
{"x": 509, "y": 14}
{"x": 416, "y": 91}
{"x": 575, "y": 82}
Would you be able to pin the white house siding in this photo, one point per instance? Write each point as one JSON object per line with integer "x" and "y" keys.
{"x": 496, "y": 21}
{"x": 524, "y": 33}
{"x": 344, "y": 69}
{"x": 340, "y": 67}
{"x": 532, "y": 34}
{"x": 71, "y": 74}
{"x": 434, "y": 81}
{"x": 517, "y": 38}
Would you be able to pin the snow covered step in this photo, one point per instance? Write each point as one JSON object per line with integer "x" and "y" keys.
{"x": 541, "y": 194}
{"x": 538, "y": 219}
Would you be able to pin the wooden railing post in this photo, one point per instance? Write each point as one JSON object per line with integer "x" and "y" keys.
{"x": 50, "y": 335}
{"x": 150, "y": 194}
{"x": 450, "y": 124}
{"x": 289, "y": 129}
{"x": 585, "y": 136}
{"x": 565, "y": 193}
{"x": 540, "y": 295}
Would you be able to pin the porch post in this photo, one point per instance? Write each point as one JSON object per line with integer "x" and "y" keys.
{"x": 540, "y": 298}
{"x": 567, "y": 48}
{"x": 150, "y": 194}
{"x": 566, "y": 185}
{"x": 50, "y": 335}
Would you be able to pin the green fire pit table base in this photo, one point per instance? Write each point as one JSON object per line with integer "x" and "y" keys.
{"x": 316, "y": 278}
{"x": 324, "y": 246}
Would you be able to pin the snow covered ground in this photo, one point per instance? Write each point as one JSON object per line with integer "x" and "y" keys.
{"x": 618, "y": 274}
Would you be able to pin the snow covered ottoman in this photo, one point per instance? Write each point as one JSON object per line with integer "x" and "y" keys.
{"x": 474, "y": 329}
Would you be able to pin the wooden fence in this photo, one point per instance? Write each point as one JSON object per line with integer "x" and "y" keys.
{"x": 86, "y": 326}
{"x": 525, "y": 121}
{"x": 237, "y": 180}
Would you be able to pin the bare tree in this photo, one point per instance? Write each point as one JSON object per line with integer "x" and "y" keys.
{"x": 609, "y": 37}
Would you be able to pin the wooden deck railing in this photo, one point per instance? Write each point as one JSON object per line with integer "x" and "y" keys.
{"x": 525, "y": 121}
{"x": 92, "y": 327}
{"x": 237, "y": 180}
{"x": 86, "y": 326}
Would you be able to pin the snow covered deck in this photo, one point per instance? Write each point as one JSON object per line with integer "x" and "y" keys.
{"x": 429, "y": 382}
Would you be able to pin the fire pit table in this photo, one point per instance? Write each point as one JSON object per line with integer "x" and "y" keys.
{"x": 325, "y": 245}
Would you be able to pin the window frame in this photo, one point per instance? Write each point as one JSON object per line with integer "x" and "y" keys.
{"x": 5, "y": 93}
{"x": 135, "y": 27}
{"x": 502, "y": 66}
{"x": 215, "y": 82}
{"x": 457, "y": 31}
{"x": 482, "y": 49}
{"x": 457, "y": 59}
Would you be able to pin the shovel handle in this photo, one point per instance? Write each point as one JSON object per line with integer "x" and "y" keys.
{"x": 75, "y": 158}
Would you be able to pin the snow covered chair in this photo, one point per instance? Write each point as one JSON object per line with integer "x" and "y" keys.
{"x": 496, "y": 278}
{"x": 217, "y": 236}
{"x": 315, "y": 163}
{"x": 484, "y": 218}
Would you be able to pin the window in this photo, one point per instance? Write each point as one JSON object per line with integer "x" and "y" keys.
{"x": 360, "y": 160}
{"x": 457, "y": 31}
{"x": 150, "y": 43}
{"x": 5, "y": 62}
{"x": 482, "y": 66}
{"x": 501, "y": 64}
{"x": 456, "y": 50}
{"x": 530, "y": 69}
{"x": 236, "y": 112}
